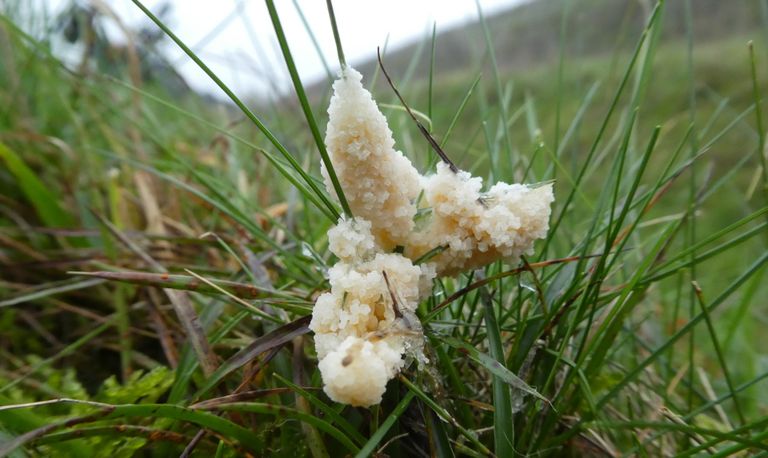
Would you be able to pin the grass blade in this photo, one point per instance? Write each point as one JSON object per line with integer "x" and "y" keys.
{"x": 503, "y": 424}
{"x": 46, "y": 204}
{"x": 385, "y": 426}
{"x": 248, "y": 113}
{"x": 276, "y": 338}
{"x": 275, "y": 409}
{"x": 299, "y": 88}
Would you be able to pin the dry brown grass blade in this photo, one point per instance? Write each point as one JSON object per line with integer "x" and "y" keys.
{"x": 21, "y": 248}
{"x": 90, "y": 315}
{"x": 274, "y": 339}
{"x": 254, "y": 373}
{"x": 211, "y": 404}
{"x": 180, "y": 301}
{"x": 194, "y": 330}
{"x": 432, "y": 142}
{"x": 395, "y": 307}
{"x": 180, "y": 282}
{"x": 164, "y": 333}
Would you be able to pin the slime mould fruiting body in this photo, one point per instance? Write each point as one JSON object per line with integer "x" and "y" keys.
{"x": 366, "y": 323}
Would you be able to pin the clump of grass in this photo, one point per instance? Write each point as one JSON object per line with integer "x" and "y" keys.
{"x": 158, "y": 275}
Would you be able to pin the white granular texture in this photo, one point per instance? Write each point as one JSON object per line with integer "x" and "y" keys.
{"x": 357, "y": 372}
{"x": 479, "y": 228}
{"x": 367, "y": 322}
{"x": 351, "y": 239}
{"x": 360, "y": 302}
{"x": 380, "y": 184}
{"x": 357, "y": 322}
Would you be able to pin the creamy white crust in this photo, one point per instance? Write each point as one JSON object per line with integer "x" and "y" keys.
{"x": 366, "y": 322}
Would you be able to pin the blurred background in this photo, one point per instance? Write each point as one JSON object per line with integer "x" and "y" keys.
{"x": 118, "y": 148}
{"x": 546, "y": 69}
{"x": 235, "y": 37}
{"x": 236, "y": 40}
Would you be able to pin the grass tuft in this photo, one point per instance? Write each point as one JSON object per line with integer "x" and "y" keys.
{"x": 160, "y": 253}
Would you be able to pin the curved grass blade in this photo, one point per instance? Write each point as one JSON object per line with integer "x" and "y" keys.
{"x": 46, "y": 204}
{"x": 201, "y": 418}
{"x": 275, "y": 409}
{"x": 204, "y": 419}
{"x": 276, "y": 338}
{"x": 119, "y": 431}
{"x": 246, "y": 111}
{"x": 326, "y": 409}
{"x": 493, "y": 366}
{"x": 304, "y": 102}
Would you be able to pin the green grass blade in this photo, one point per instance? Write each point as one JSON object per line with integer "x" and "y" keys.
{"x": 376, "y": 438}
{"x": 248, "y": 113}
{"x": 635, "y": 371}
{"x": 336, "y": 35}
{"x": 46, "y": 204}
{"x": 604, "y": 125}
{"x": 326, "y": 409}
{"x": 301, "y": 94}
{"x": 493, "y": 365}
{"x": 503, "y": 424}
{"x": 276, "y": 409}
{"x": 719, "y": 352}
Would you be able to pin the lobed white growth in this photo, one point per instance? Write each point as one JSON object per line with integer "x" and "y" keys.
{"x": 379, "y": 183}
{"x": 479, "y": 228}
{"x": 366, "y": 323}
{"x": 360, "y": 333}
{"x": 358, "y": 372}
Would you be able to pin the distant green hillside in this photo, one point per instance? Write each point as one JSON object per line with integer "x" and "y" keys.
{"x": 530, "y": 33}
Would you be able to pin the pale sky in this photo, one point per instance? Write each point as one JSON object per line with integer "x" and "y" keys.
{"x": 236, "y": 39}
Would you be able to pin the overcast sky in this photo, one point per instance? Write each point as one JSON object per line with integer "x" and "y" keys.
{"x": 236, "y": 39}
